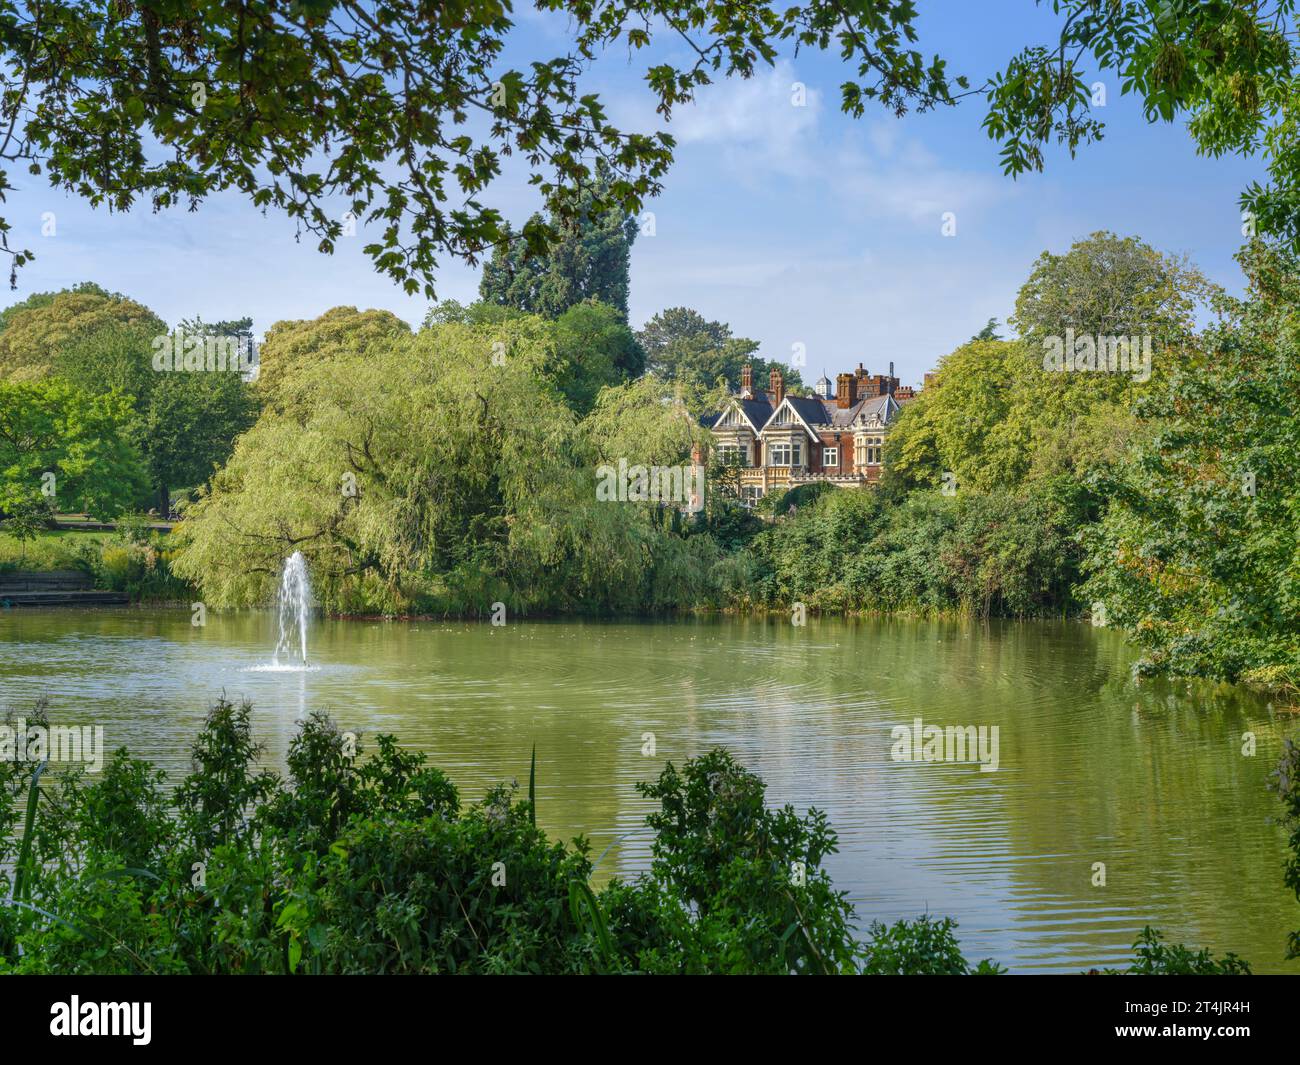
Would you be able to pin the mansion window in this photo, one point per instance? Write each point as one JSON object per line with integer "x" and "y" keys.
{"x": 732, "y": 455}
{"x": 867, "y": 450}
{"x": 785, "y": 454}
{"x": 830, "y": 457}
{"x": 751, "y": 494}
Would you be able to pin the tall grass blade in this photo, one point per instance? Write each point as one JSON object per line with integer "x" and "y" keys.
{"x": 586, "y": 913}
{"x": 56, "y": 919}
{"x": 25, "y": 871}
{"x": 532, "y": 792}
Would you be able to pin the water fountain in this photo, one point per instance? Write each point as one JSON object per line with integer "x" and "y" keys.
{"x": 293, "y": 603}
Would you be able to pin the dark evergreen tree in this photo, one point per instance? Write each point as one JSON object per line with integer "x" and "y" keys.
{"x": 553, "y": 265}
{"x": 681, "y": 344}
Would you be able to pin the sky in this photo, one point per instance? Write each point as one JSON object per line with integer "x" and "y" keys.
{"x": 802, "y": 228}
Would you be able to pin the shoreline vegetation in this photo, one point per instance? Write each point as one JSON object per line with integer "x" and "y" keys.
{"x": 454, "y": 470}
{"x": 372, "y": 864}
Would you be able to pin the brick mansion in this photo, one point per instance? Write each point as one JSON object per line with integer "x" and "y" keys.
{"x": 780, "y": 441}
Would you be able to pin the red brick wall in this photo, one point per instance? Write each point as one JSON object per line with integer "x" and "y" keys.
{"x": 828, "y": 440}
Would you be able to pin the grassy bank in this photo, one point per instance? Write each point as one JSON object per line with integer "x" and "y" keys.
{"x": 52, "y": 549}
{"x": 133, "y": 560}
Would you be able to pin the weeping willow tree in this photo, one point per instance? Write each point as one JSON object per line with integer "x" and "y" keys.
{"x": 441, "y": 472}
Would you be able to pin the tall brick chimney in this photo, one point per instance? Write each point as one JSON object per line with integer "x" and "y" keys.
{"x": 777, "y": 383}
{"x": 747, "y": 380}
{"x": 846, "y": 390}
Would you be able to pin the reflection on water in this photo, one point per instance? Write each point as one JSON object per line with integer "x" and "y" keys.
{"x": 1149, "y": 780}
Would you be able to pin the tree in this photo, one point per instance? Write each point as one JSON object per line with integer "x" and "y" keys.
{"x": 238, "y": 330}
{"x": 1228, "y": 67}
{"x": 157, "y": 102}
{"x": 478, "y": 313}
{"x": 592, "y": 346}
{"x": 63, "y": 449}
{"x": 184, "y": 421}
{"x": 296, "y": 106}
{"x": 648, "y": 421}
{"x": 590, "y": 261}
{"x": 1196, "y": 556}
{"x": 424, "y": 474}
{"x": 595, "y": 348}
{"x": 1111, "y": 286}
{"x": 37, "y": 334}
{"x": 111, "y": 355}
{"x": 681, "y": 344}
{"x": 39, "y": 299}
{"x": 989, "y": 332}
{"x": 964, "y": 425}
{"x": 681, "y": 341}
{"x": 1000, "y": 417}
{"x": 290, "y": 346}
{"x": 188, "y": 427}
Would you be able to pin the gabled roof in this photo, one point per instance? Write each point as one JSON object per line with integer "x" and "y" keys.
{"x": 756, "y": 410}
{"x": 812, "y": 411}
{"x": 809, "y": 411}
{"x": 885, "y": 406}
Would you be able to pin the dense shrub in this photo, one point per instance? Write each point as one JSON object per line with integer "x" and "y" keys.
{"x": 924, "y": 947}
{"x": 734, "y": 887}
{"x": 1156, "y": 958}
{"x": 140, "y": 568}
{"x": 860, "y": 551}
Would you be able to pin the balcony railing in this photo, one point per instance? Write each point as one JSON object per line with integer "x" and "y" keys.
{"x": 832, "y": 478}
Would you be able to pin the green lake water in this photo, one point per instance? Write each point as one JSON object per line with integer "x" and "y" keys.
{"x": 1148, "y": 778}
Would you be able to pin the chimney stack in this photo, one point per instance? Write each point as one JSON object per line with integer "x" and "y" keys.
{"x": 846, "y": 390}
{"x": 893, "y": 381}
{"x": 747, "y": 381}
{"x": 777, "y": 383}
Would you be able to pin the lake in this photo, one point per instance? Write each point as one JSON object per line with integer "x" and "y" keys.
{"x": 1148, "y": 778}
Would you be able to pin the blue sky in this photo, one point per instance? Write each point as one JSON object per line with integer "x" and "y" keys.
{"x": 796, "y": 225}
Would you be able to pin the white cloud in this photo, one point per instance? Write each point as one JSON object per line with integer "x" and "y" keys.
{"x": 902, "y": 179}
{"x": 774, "y": 111}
